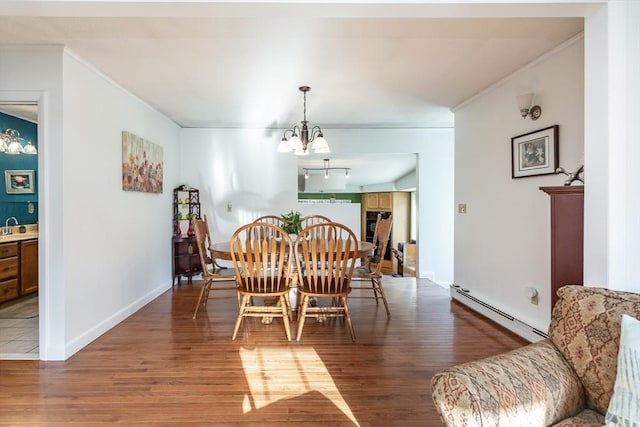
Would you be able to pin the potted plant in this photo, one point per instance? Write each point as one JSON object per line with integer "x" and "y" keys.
{"x": 292, "y": 222}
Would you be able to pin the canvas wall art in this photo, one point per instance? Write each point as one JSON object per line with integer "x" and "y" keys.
{"x": 142, "y": 164}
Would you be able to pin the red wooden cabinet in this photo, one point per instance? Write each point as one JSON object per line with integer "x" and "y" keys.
{"x": 567, "y": 236}
{"x": 186, "y": 260}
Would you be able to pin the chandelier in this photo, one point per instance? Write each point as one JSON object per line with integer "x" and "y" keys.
{"x": 327, "y": 167}
{"x": 10, "y": 143}
{"x": 301, "y": 139}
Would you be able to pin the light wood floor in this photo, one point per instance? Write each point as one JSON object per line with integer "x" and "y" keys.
{"x": 160, "y": 367}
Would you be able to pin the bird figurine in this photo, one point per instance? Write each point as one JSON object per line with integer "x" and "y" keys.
{"x": 576, "y": 175}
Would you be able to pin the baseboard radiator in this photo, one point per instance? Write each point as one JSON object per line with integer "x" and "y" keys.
{"x": 500, "y": 317}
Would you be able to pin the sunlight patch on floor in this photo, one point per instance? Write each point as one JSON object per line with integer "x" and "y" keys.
{"x": 284, "y": 373}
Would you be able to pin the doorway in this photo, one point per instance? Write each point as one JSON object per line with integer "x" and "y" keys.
{"x": 19, "y": 309}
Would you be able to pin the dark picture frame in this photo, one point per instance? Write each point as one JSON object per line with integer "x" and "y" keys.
{"x": 20, "y": 181}
{"x": 535, "y": 153}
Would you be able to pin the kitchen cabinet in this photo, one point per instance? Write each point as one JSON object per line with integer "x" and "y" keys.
{"x": 9, "y": 271}
{"x": 18, "y": 269}
{"x": 378, "y": 201}
{"x": 398, "y": 204}
{"x": 28, "y": 266}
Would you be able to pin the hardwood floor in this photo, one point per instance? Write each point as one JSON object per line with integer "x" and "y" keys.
{"x": 160, "y": 367}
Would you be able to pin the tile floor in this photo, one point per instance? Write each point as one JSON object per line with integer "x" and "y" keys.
{"x": 19, "y": 339}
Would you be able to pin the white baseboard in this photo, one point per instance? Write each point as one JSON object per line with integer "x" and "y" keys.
{"x": 90, "y": 335}
{"x": 506, "y": 320}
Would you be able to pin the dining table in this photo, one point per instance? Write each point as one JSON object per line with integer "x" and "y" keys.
{"x": 222, "y": 250}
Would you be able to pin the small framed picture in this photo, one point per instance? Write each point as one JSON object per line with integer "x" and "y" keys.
{"x": 535, "y": 153}
{"x": 20, "y": 182}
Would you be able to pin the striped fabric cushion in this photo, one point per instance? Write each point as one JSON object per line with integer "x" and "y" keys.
{"x": 624, "y": 408}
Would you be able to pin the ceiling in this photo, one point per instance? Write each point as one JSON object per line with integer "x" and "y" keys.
{"x": 238, "y": 64}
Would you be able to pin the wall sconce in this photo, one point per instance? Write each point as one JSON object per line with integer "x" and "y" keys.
{"x": 525, "y": 107}
{"x": 11, "y": 143}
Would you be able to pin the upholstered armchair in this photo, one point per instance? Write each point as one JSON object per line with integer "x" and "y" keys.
{"x": 565, "y": 380}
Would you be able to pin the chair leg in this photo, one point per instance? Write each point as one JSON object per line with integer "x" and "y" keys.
{"x": 243, "y": 304}
{"x": 206, "y": 285}
{"x": 287, "y": 302}
{"x": 373, "y": 288}
{"x": 286, "y": 312}
{"x": 383, "y": 296}
{"x": 302, "y": 313}
{"x": 347, "y": 316}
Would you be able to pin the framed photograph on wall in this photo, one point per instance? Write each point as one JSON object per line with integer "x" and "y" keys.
{"x": 20, "y": 181}
{"x": 535, "y": 153}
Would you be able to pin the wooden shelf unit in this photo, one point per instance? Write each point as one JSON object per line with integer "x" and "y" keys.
{"x": 184, "y": 250}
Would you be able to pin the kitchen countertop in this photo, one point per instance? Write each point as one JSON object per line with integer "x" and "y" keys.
{"x": 16, "y": 236}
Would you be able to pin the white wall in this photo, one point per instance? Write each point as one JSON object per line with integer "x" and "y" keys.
{"x": 117, "y": 271}
{"x": 104, "y": 252}
{"x": 349, "y": 214}
{"x": 35, "y": 74}
{"x": 502, "y": 242}
{"x": 242, "y": 167}
{"x": 612, "y": 199}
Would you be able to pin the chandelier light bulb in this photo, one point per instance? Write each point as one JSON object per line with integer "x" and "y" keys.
{"x": 296, "y": 143}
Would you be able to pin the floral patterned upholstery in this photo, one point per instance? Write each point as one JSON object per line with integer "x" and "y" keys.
{"x": 566, "y": 380}
{"x": 586, "y": 330}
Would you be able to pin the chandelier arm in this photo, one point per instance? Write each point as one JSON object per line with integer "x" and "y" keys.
{"x": 315, "y": 131}
{"x": 294, "y": 131}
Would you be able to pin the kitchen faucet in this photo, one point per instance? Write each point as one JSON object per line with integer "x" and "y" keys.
{"x": 6, "y": 230}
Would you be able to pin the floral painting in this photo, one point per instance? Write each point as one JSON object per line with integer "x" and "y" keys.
{"x": 142, "y": 164}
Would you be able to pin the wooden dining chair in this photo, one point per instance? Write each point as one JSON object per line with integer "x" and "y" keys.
{"x": 326, "y": 256}
{"x": 211, "y": 272}
{"x": 368, "y": 277}
{"x": 260, "y": 253}
{"x": 314, "y": 219}
{"x": 270, "y": 219}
